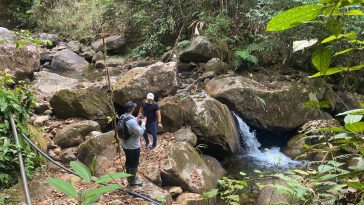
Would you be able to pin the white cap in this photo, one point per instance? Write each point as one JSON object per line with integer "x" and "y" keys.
{"x": 150, "y": 96}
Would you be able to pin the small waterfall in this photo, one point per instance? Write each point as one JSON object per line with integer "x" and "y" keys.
{"x": 267, "y": 158}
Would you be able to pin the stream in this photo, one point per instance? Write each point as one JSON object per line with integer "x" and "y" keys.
{"x": 252, "y": 156}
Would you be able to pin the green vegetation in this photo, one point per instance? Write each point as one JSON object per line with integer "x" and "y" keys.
{"x": 87, "y": 196}
{"x": 15, "y": 98}
{"x": 338, "y": 177}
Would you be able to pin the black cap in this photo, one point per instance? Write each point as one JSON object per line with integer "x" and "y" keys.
{"x": 128, "y": 106}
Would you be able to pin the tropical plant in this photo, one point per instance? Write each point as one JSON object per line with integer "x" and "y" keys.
{"x": 87, "y": 196}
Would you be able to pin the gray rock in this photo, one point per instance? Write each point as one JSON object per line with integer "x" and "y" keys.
{"x": 68, "y": 60}
{"x": 87, "y": 53}
{"x": 93, "y": 134}
{"x": 186, "y": 135}
{"x": 101, "y": 163}
{"x": 114, "y": 44}
{"x": 74, "y": 134}
{"x": 41, "y": 107}
{"x": 244, "y": 94}
{"x": 214, "y": 165}
{"x": 41, "y": 120}
{"x": 46, "y": 56}
{"x": 200, "y": 50}
{"x": 67, "y": 156}
{"x": 47, "y": 83}
{"x": 159, "y": 78}
{"x": 152, "y": 191}
{"x": 51, "y": 37}
{"x": 191, "y": 199}
{"x": 184, "y": 167}
{"x": 175, "y": 191}
{"x": 217, "y": 66}
{"x": 100, "y": 64}
{"x": 74, "y": 46}
{"x": 91, "y": 103}
{"x": 101, "y": 145}
{"x": 21, "y": 62}
{"x": 98, "y": 56}
{"x": 152, "y": 173}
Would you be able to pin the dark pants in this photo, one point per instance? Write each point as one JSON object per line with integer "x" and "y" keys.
{"x": 132, "y": 157}
{"x": 151, "y": 128}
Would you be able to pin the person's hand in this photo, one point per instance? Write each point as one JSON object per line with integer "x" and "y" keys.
{"x": 144, "y": 120}
{"x": 160, "y": 125}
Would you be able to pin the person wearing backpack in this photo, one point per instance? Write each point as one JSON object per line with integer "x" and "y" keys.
{"x": 129, "y": 132}
{"x": 151, "y": 110}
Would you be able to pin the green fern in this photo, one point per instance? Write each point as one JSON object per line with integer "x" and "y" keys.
{"x": 247, "y": 55}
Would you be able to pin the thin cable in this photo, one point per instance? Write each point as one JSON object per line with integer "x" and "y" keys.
{"x": 135, "y": 194}
{"x": 21, "y": 163}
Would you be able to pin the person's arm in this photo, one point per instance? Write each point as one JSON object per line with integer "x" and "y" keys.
{"x": 159, "y": 117}
{"x": 135, "y": 128}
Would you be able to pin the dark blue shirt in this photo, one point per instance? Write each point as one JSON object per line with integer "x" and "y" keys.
{"x": 150, "y": 110}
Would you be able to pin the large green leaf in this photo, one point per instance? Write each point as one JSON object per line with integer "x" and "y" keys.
{"x": 293, "y": 17}
{"x": 82, "y": 170}
{"x": 321, "y": 59}
{"x": 112, "y": 176}
{"x": 300, "y": 45}
{"x": 99, "y": 191}
{"x": 352, "y": 112}
{"x": 352, "y": 118}
{"x": 63, "y": 186}
{"x": 356, "y": 127}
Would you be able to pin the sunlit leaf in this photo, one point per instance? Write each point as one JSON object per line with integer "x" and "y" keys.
{"x": 210, "y": 194}
{"x": 332, "y": 38}
{"x": 294, "y": 17}
{"x": 324, "y": 168}
{"x": 112, "y": 176}
{"x": 63, "y": 186}
{"x": 82, "y": 170}
{"x": 356, "y": 127}
{"x": 343, "y": 51}
{"x": 300, "y": 45}
{"x": 354, "y": 12}
{"x": 352, "y": 118}
{"x": 321, "y": 59}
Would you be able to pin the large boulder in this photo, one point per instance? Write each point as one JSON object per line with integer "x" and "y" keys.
{"x": 185, "y": 135}
{"x": 152, "y": 191}
{"x": 159, "y": 78}
{"x": 74, "y": 134}
{"x": 184, "y": 167}
{"x": 200, "y": 50}
{"x": 21, "y": 61}
{"x": 176, "y": 112}
{"x": 90, "y": 103}
{"x": 114, "y": 44}
{"x": 213, "y": 123}
{"x": 47, "y": 83}
{"x": 209, "y": 119}
{"x": 68, "y": 60}
{"x": 268, "y": 106}
{"x": 101, "y": 145}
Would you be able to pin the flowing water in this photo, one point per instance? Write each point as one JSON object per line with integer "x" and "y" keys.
{"x": 260, "y": 157}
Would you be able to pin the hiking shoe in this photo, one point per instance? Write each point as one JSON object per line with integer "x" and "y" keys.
{"x": 148, "y": 145}
{"x": 153, "y": 147}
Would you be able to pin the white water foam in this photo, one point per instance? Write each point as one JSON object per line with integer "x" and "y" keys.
{"x": 267, "y": 158}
